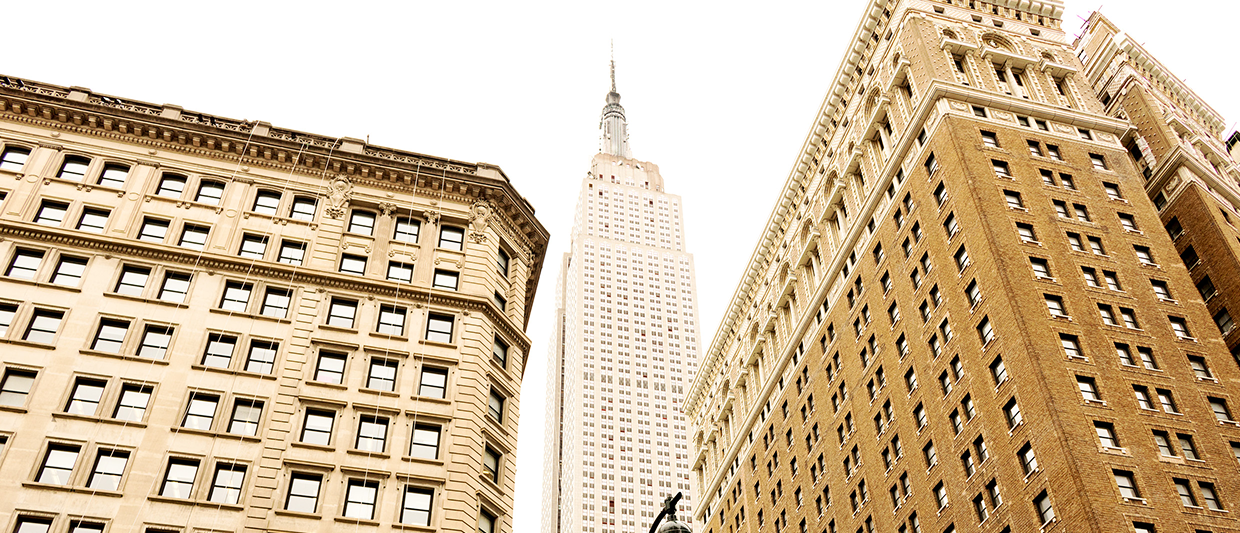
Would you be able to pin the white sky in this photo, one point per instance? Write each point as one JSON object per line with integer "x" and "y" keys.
{"x": 720, "y": 95}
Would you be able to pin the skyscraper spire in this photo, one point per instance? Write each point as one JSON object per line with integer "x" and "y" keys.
{"x": 615, "y": 130}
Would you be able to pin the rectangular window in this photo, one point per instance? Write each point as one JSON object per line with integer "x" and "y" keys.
{"x": 1082, "y": 213}
{"x": 245, "y": 417}
{"x": 501, "y": 262}
{"x": 1127, "y": 485}
{"x": 153, "y": 230}
{"x": 16, "y": 387}
{"x": 175, "y": 287}
{"x": 1185, "y": 490}
{"x": 253, "y": 246}
{"x": 445, "y": 279}
{"x": 1042, "y": 503}
{"x": 93, "y": 220}
{"x": 434, "y": 383}
{"x": 276, "y": 302}
{"x": 69, "y": 271}
{"x": 382, "y": 375}
{"x": 1221, "y": 412}
{"x": 416, "y": 506}
{"x": 491, "y": 462}
{"x": 407, "y": 230}
{"x": 303, "y": 208}
{"x": 43, "y": 326}
{"x": 133, "y": 403}
{"x": 989, "y": 139}
{"x": 110, "y": 335}
{"x": 1099, "y": 162}
{"x": 392, "y": 320}
{"x": 171, "y": 186}
{"x": 1180, "y": 327}
{"x": 85, "y": 398}
{"x": 341, "y": 313}
{"x": 425, "y": 444}
{"x": 267, "y": 203}
{"x": 353, "y": 264}
{"x": 495, "y": 406}
{"x": 200, "y": 413}
{"x": 113, "y": 175}
{"x": 362, "y": 222}
{"x": 58, "y": 464}
{"x": 226, "y": 486}
{"x": 132, "y": 281}
{"x": 179, "y": 478}
{"x": 108, "y": 470}
{"x": 318, "y": 427}
{"x": 330, "y": 367}
{"x": 359, "y": 499}
{"x": 219, "y": 350}
{"x": 155, "y": 341}
{"x": 262, "y": 356}
{"x": 303, "y": 493}
{"x": 1001, "y": 168}
{"x": 439, "y": 328}
{"x": 1012, "y": 412}
{"x": 25, "y": 264}
{"x": 451, "y": 238}
{"x": 14, "y": 158}
{"x": 51, "y": 213}
{"x": 292, "y": 253}
{"x": 402, "y": 272}
{"x": 236, "y": 296}
{"x": 372, "y": 434}
{"x": 1035, "y": 149}
{"x": 499, "y": 351}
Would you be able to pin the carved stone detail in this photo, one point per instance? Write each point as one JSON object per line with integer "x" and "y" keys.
{"x": 387, "y": 208}
{"x": 339, "y": 192}
{"x": 479, "y": 217}
{"x": 432, "y": 217}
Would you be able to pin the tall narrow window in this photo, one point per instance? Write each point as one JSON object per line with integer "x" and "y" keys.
{"x": 416, "y": 506}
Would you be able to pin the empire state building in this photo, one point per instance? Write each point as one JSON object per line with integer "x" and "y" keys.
{"x": 625, "y": 348}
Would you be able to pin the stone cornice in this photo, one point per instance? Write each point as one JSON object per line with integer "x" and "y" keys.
{"x": 416, "y": 297}
{"x": 252, "y": 143}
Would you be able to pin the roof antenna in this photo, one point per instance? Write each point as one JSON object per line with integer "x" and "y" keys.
{"x": 613, "y": 65}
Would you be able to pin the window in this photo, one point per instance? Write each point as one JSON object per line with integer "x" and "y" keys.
{"x": 1185, "y": 490}
{"x": 962, "y": 258}
{"x": 931, "y": 456}
{"x": 439, "y": 328}
{"x": 451, "y": 238}
{"x": 1041, "y": 268}
{"x": 93, "y": 220}
{"x": 989, "y": 139}
{"x": 940, "y": 194}
{"x": 1167, "y": 401}
{"x": 1001, "y": 168}
{"x": 1061, "y": 208}
{"x": 341, "y": 313}
{"x": 262, "y": 356}
{"x": 501, "y": 262}
{"x": 226, "y": 486}
{"x": 979, "y": 111}
{"x": 1164, "y": 444}
{"x": 407, "y": 230}
{"x": 200, "y": 414}
{"x": 58, "y": 464}
{"x": 1095, "y": 245}
{"x": 359, "y": 499}
{"x": 391, "y": 320}
{"x": 318, "y": 427}
{"x": 932, "y": 165}
{"x": 940, "y": 495}
{"x": 1088, "y": 388}
{"x": 1108, "y": 314}
{"x": 43, "y": 326}
{"x": 362, "y": 222}
{"x": 25, "y": 264}
{"x": 1026, "y": 232}
{"x": 210, "y": 192}
{"x": 330, "y": 367}
{"x": 113, "y": 175}
{"x": 499, "y": 352}
{"x": 108, "y": 470}
{"x": 1035, "y": 149}
{"x": 171, "y": 186}
{"x": 1224, "y": 321}
{"x": 1127, "y": 485}
{"x": 219, "y": 350}
{"x": 133, "y": 402}
{"x": 292, "y": 253}
{"x": 1221, "y": 412}
{"x": 445, "y": 279}
{"x": 382, "y": 374}
{"x": 7, "y": 312}
{"x": 1130, "y": 318}
{"x": 1147, "y": 358}
{"x": 1081, "y": 211}
{"x": 1144, "y": 255}
{"x": 501, "y": 301}
{"x": 1014, "y": 200}
{"x": 276, "y": 302}
{"x": 1099, "y": 162}
{"x": 1042, "y": 503}
{"x": 1028, "y": 461}
{"x": 1112, "y": 280}
{"x": 1180, "y": 327}
{"x": 303, "y": 208}
{"x": 1048, "y": 177}
{"x": 1210, "y": 496}
{"x": 1074, "y": 240}
{"x": 416, "y": 506}
{"x": 155, "y": 341}
{"x": 153, "y": 230}
{"x": 69, "y": 271}
{"x": 73, "y": 168}
{"x": 303, "y": 493}
{"x": 495, "y": 406}
{"x": 1054, "y": 304}
{"x": 998, "y": 371}
{"x": 14, "y": 158}
{"x": 51, "y": 213}
{"x": 353, "y": 264}
{"x": 1011, "y": 412}
{"x": 110, "y": 335}
{"x": 402, "y": 272}
{"x": 425, "y": 444}
{"x": 1198, "y": 364}
{"x": 372, "y": 434}
{"x": 267, "y": 203}
{"x": 85, "y": 398}
{"x": 490, "y": 461}
{"x": 1091, "y": 276}
{"x": 236, "y": 296}
{"x": 486, "y": 522}
{"x": 16, "y": 387}
{"x": 434, "y": 383}
{"x": 245, "y": 417}
{"x": 179, "y": 478}
{"x": 253, "y": 246}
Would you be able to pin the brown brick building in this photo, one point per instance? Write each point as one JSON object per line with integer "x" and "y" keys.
{"x": 1177, "y": 143}
{"x": 964, "y": 314}
{"x": 219, "y": 325}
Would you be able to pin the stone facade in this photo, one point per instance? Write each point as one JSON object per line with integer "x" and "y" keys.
{"x": 219, "y": 325}
{"x": 964, "y": 314}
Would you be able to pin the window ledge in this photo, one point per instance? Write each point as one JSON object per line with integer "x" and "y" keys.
{"x": 380, "y": 392}
{"x": 131, "y": 357}
{"x": 341, "y": 329}
{"x": 437, "y": 343}
{"x": 364, "y": 453}
{"x": 235, "y": 372}
{"x": 416, "y": 529}
{"x": 147, "y": 300}
{"x": 1136, "y": 501}
{"x": 297, "y": 514}
{"x": 308, "y": 446}
{"x": 42, "y": 284}
{"x": 422, "y": 460}
{"x": 389, "y": 336}
{"x": 216, "y": 434}
{"x": 325, "y": 384}
{"x": 13, "y": 409}
{"x": 72, "y": 488}
{"x": 21, "y": 342}
{"x": 441, "y": 401}
{"x": 357, "y": 521}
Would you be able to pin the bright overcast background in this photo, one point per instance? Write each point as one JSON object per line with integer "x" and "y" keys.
{"x": 720, "y": 95}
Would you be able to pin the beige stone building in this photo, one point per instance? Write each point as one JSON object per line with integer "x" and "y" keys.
{"x": 1177, "y": 142}
{"x": 218, "y": 325}
{"x": 964, "y": 314}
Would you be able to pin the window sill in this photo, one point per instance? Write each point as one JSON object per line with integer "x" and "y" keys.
{"x": 326, "y": 384}
{"x": 441, "y": 401}
{"x": 364, "y": 453}
{"x": 13, "y": 409}
{"x": 357, "y": 521}
{"x": 20, "y": 342}
{"x": 130, "y": 357}
{"x": 72, "y": 488}
{"x": 297, "y": 514}
{"x": 42, "y": 284}
{"x": 380, "y": 392}
{"x": 230, "y": 371}
{"x": 147, "y": 300}
{"x": 341, "y": 329}
{"x": 437, "y": 343}
{"x": 216, "y": 434}
{"x": 417, "y": 529}
{"x": 308, "y": 446}
{"x": 256, "y": 316}
{"x": 421, "y": 460}
{"x": 389, "y": 336}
